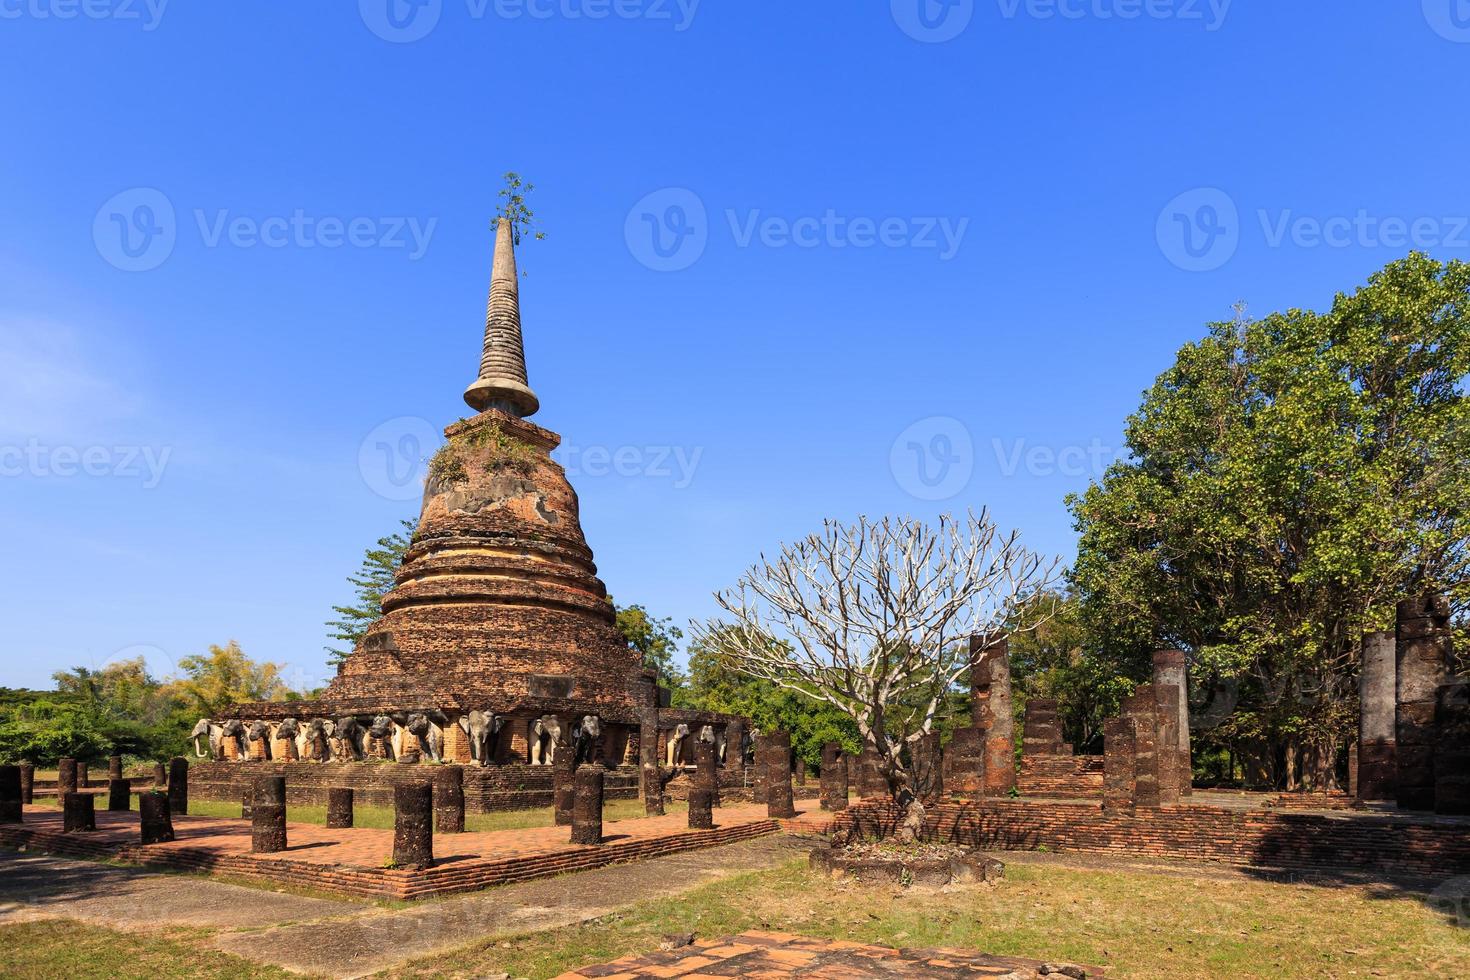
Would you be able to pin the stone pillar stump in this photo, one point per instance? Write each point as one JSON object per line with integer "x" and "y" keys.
{"x": 114, "y": 767}
{"x": 833, "y": 777}
{"x": 84, "y": 779}
{"x": 66, "y": 775}
{"x": 119, "y": 795}
{"x": 706, "y": 771}
{"x": 339, "y": 807}
{"x": 178, "y": 785}
{"x": 701, "y": 813}
{"x": 160, "y": 775}
{"x": 449, "y": 800}
{"x": 413, "y": 827}
{"x": 27, "y": 782}
{"x": 587, "y": 806}
{"x": 780, "y": 803}
{"x": 1377, "y": 711}
{"x": 10, "y": 794}
{"x": 563, "y": 789}
{"x": 78, "y": 813}
{"x": 268, "y": 815}
{"x": 155, "y": 820}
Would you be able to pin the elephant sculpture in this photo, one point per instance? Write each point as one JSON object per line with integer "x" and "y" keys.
{"x": 210, "y": 733}
{"x": 314, "y": 740}
{"x": 260, "y": 731}
{"x": 381, "y": 735}
{"x": 421, "y": 736}
{"x": 747, "y": 746}
{"x": 586, "y": 739}
{"x": 233, "y": 731}
{"x": 481, "y": 727}
{"x": 722, "y": 745}
{"x": 345, "y": 739}
{"x": 545, "y": 735}
{"x": 676, "y": 742}
{"x": 287, "y": 732}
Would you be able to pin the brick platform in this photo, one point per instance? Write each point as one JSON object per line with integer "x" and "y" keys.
{"x": 350, "y": 862}
{"x": 774, "y": 956}
{"x": 1239, "y": 832}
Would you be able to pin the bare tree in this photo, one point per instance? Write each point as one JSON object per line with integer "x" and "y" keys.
{"x": 874, "y": 617}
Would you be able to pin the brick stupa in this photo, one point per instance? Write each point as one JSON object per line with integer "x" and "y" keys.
{"x": 497, "y": 601}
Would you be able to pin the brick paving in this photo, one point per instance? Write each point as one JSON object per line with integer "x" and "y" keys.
{"x": 777, "y": 956}
{"x": 352, "y": 861}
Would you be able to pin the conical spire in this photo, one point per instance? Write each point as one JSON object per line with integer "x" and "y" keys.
{"x": 502, "y": 382}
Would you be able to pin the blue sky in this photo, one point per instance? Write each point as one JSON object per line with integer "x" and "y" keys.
{"x": 803, "y": 260}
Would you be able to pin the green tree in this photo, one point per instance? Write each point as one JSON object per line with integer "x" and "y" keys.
{"x": 225, "y": 676}
{"x": 1289, "y": 480}
{"x": 656, "y": 640}
{"x": 513, "y": 206}
{"x": 372, "y": 581}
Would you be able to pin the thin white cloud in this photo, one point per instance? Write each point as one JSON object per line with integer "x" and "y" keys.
{"x": 55, "y": 386}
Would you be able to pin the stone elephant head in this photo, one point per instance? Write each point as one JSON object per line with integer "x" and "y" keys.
{"x": 481, "y": 727}
{"x": 585, "y": 739}
{"x": 424, "y": 735}
{"x": 346, "y": 739}
{"x": 209, "y": 732}
{"x": 545, "y": 736}
{"x": 288, "y": 730}
{"x": 722, "y": 746}
{"x": 381, "y": 732}
{"x": 315, "y": 739}
{"x": 676, "y": 741}
{"x": 707, "y": 734}
{"x": 260, "y": 731}
{"x": 233, "y": 731}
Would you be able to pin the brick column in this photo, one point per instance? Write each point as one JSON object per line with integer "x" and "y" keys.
{"x": 339, "y": 807}
{"x": 456, "y": 742}
{"x": 78, "y": 813}
{"x": 758, "y": 781}
{"x": 178, "y": 786}
{"x": 650, "y": 761}
{"x": 1119, "y": 756}
{"x": 779, "y": 801}
{"x": 268, "y": 815}
{"x": 1423, "y": 647}
{"x": 964, "y": 763}
{"x": 734, "y": 740}
{"x": 871, "y": 783}
{"x": 992, "y": 712}
{"x": 928, "y": 761}
{"x": 701, "y": 814}
{"x": 27, "y": 782}
{"x": 1169, "y": 668}
{"x": 119, "y": 795}
{"x": 449, "y": 799}
{"x": 160, "y": 776}
{"x": 587, "y": 806}
{"x": 83, "y": 778}
{"x": 413, "y": 826}
{"x": 10, "y": 795}
{"x": 66, "y": 776}
{"x": 1042, "y": 733}
{"x": 1171, "y": 773}
{"x": 155, "y": 820}
{"x": 114, "y": 767}
{"x": 1452, "y": 749}
{"x": 834, "y": 777}
{"x": 1377, "y": 718}
{"x": 1141, "y": 708}
{"x": 706, "y": 772}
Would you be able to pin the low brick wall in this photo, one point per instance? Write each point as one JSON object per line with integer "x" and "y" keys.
{"x": 486, "y": 789}
{"x": 1433, "y": 847}
{"x": 1067, "y": 776}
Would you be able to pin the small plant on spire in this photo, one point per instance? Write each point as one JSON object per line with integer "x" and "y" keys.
{"x": 513, "y": 207}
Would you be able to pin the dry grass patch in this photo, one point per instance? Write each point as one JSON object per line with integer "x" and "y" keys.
{"x": 58, "y": 948}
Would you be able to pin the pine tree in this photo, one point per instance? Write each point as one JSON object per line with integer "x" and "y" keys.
{"x": 372, "y": 582}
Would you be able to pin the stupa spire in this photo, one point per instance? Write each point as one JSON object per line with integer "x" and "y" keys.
{"x": 502, "y": 382}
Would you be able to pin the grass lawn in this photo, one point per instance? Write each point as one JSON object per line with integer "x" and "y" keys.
{"x": 1136, "y": 923}
{"x": 382, "y": 816}
{"x": 57, "y": 948}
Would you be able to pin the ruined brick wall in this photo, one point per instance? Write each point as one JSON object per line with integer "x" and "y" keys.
{"x": 1067, "y": 776}
{"x": 1258, "y": 838}
{"x": 486, "y": 788}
